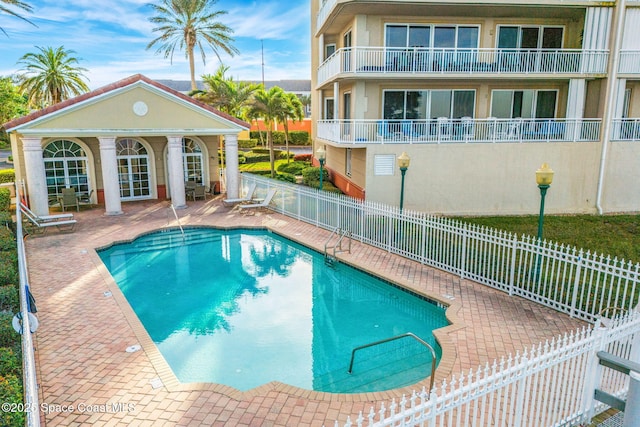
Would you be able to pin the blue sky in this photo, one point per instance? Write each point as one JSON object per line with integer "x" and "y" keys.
{"x": 110, "y": 36}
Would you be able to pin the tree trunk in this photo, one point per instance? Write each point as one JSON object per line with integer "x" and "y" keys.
{"x": 272, "y": 160}
{"x": 286, "y": 138}
{"x": 192, "y": 69}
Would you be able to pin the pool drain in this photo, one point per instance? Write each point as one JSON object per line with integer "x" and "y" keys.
{"x": 133, "y": 348}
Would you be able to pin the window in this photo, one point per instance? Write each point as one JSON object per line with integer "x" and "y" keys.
{"x": 527, "y": 104}
{"x": 329, "y": 109}
{"x": 329, "y": 50}
{"x": 347, "y": 162}
{"x": 517, "y": 37}
{"x": 133, "y": 169}
{"x": 626, "y": 103}
{"x": 65, "y": 165}
{"x": 192, "y": 158}
{"x": 424, "y": 104}
{"x": 436, "y": 36}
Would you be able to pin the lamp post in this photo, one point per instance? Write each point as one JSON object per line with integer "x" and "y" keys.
{"x": 321, "y": 155}
{"x": 544, "y": 178}
{"x": 403, "y": 164}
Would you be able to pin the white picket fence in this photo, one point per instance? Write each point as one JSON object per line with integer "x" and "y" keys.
{"x": 551, "y": 384}
{"x": 573, "y": 281}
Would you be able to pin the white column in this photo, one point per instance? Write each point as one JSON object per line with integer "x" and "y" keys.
{"x": 232, "y": 171}
{"x": 176, "y": 172}
{"x": 36, "y": 180}
{"x": 110, "y": 181}
{"x": 336, "y": 101}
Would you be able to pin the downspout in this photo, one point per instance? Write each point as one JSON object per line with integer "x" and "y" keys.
{"x": 611, "y": 97}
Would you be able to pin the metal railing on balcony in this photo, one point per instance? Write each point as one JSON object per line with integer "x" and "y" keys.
{"x": 629, "y": 61}
{"x": 376, "y": 60}
{"x": 464, "y": 130}
{"x": 625, "y": 129}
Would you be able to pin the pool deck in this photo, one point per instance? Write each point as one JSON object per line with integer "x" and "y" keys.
{"x": 87, "y": 377}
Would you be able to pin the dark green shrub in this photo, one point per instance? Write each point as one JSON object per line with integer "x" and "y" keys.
{"x": 241, "y": 157}
{"x": 277, "y": 136}
{"x": 299, "y": 137}
{"x": 247, "y": 143}
{"x": 8, "y": 336}
{"x": 7, "y": 175}
{"x": 5, "y": 199}
{"x": 7, "y": 241}
{"x": 294, "y": 168}
{"x": 286, "y": 177}
{"x": 311, "y": 176}
{"x": 5, "y": 219}
{"x": 11, "y": 392}
{"x": 10, "y": 362}
{"x": 8, "y": 268}
{"x": 9, "y": 300}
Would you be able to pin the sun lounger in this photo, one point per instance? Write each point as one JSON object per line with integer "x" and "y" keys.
{"x": 264, "y": 204}
{"x": 43, "y": 222}
{"x": 247, "y": 198}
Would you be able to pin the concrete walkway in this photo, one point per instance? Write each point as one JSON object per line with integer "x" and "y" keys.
{"x": 87, "y": 377}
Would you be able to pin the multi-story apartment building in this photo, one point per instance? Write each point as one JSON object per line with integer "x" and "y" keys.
{"x": 479, "y": 94}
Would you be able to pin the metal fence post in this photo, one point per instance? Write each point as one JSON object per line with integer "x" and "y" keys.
{"x": 573, "y": 311}
{"x": 512, "y": 267}
{"x": 593, "y": 372}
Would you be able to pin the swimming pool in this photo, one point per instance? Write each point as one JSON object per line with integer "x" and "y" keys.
{"x": 246, "y": 307}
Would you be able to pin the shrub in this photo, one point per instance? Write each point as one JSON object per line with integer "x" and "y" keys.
{"x": 8, "y": 336}
{"x": 5, "y": 219}
{"x": 257, "y": 156}
{"x": 7, "y": 241}
{"x": 299, "y": 137}
{"x": 5, "y": 199}
{"x": 241, "y": 157}
{"x": 294, "y": 168}
{"x": 11, "y": 392}
{"x": 286, "y": 177}
{"x": 10, "y": 362}
{"x": 311, "y": 176}
{"x": 247, "y": 143}
{"x": 9, "y": 300}
{"x": 8, "y": 268}
{"x": 302, "y": 157}
{"x": 7, "y": 175}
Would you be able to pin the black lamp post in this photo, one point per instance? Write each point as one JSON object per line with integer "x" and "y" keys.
{"x": 403, "y": 164}
{"x": 321, "y": 155}
{"x": 544, "y": 178}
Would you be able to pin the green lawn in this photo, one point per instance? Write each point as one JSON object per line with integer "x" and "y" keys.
{"x": 260, "y": 166}
{"x": 615, "y": 235}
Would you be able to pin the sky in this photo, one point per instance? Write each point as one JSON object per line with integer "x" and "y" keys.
{"x": 109, "y": 37}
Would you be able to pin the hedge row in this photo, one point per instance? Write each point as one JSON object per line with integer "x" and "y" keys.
{"x": 7, "y": 175}
{"x": 11, "y": 390}
{"x": 296, "y": 137}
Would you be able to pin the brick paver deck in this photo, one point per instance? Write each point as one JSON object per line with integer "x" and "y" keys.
{"x": 86, "y": 376}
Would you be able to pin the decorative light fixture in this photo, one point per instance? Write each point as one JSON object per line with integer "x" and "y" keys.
{"x": 321, "y": 155}
{"x": 403, "y": 164}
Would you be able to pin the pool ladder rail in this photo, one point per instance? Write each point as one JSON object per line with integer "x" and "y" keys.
{"x": 330, "y": 259}
{"x": 397, "y": 337}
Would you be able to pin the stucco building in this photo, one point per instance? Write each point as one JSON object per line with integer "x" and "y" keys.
{"x": 480, "y": 94}
{"x": 132, "y": 140}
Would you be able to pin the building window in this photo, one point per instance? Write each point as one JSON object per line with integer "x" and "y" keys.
{"x": 328, "y": 113}
{"x": 192, "y": 161}
{"x": 329, "y": 50}
{"x": 435, "y": 36}
{"x": 65, "y": 165}
{"x": 347, "y": 162}
{"x": 517, "y": 37}
{"x": 384, "y": 164}
{"x": 133, "y": 169}
{"x": 526, "y": 104}
{"x": 424, "y": 104}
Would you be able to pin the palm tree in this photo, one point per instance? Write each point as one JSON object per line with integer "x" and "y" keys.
{"x": 50, "y": 76}
{"x": 227, "y": 95}
{"x": 17, "y": 3}
{"x": 185, "y": 25}
{"x": 294, "y": 111}
{"x": 269, "y": 105}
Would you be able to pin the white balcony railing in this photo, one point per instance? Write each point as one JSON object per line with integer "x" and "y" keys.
{"x": 625, "y": 129}
{"x": 377, "y": 60}
{"x": 629, "y": 61}
{"x": 325, "y": 8}
{"x": 458, "y": 131}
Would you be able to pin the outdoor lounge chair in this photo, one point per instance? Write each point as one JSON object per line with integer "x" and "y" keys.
{"x": 264, "y": 204}
{"x": 247, "y": 197}
{"x": 199, "y": 191}
{"x": 43, "y": 222}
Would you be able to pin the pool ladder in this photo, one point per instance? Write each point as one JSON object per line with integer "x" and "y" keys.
{"x": 397, "y": 337}
{"x": 330, "y": 259}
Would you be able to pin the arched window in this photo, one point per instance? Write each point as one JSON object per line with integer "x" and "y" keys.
{"x": 193, "y": 161}
{"x": 65, "y": 165}
{"x": 133, "y": 169}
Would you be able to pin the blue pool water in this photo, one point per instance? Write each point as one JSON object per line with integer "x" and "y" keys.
{"x": 246, "y": 307}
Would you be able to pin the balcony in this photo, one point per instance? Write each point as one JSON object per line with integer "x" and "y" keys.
{"x": 629, "y": 61}
{"x": 625, "y": 129}
{"x": 465, "y": 130}
{"x": 383, "y": 61}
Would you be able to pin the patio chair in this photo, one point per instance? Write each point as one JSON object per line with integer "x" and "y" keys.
{"x": 85, "y": 199}
{"x": 69, "y": 198}
{"x": 264, "y": 204}
{"x": 199, "y": 191}
{"x": 383, "y": 131}
{"x": 247, "y": 197}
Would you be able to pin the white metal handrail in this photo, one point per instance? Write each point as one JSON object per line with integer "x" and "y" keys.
{"x": 627, "y": 129}
{"x": 29, "y": 364}
{"x": 363, "y": 60}
{"x": 463, "y": 130}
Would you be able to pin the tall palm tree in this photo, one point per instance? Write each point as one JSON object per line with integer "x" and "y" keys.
{"x": 17, "y": 3}
{"x": 269, "y": 105}
{"x": 227, "y": 95}
{"x": 50, "y": 76}
{"x": 185, "y": 25}
{"x": 294, "y": 111}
